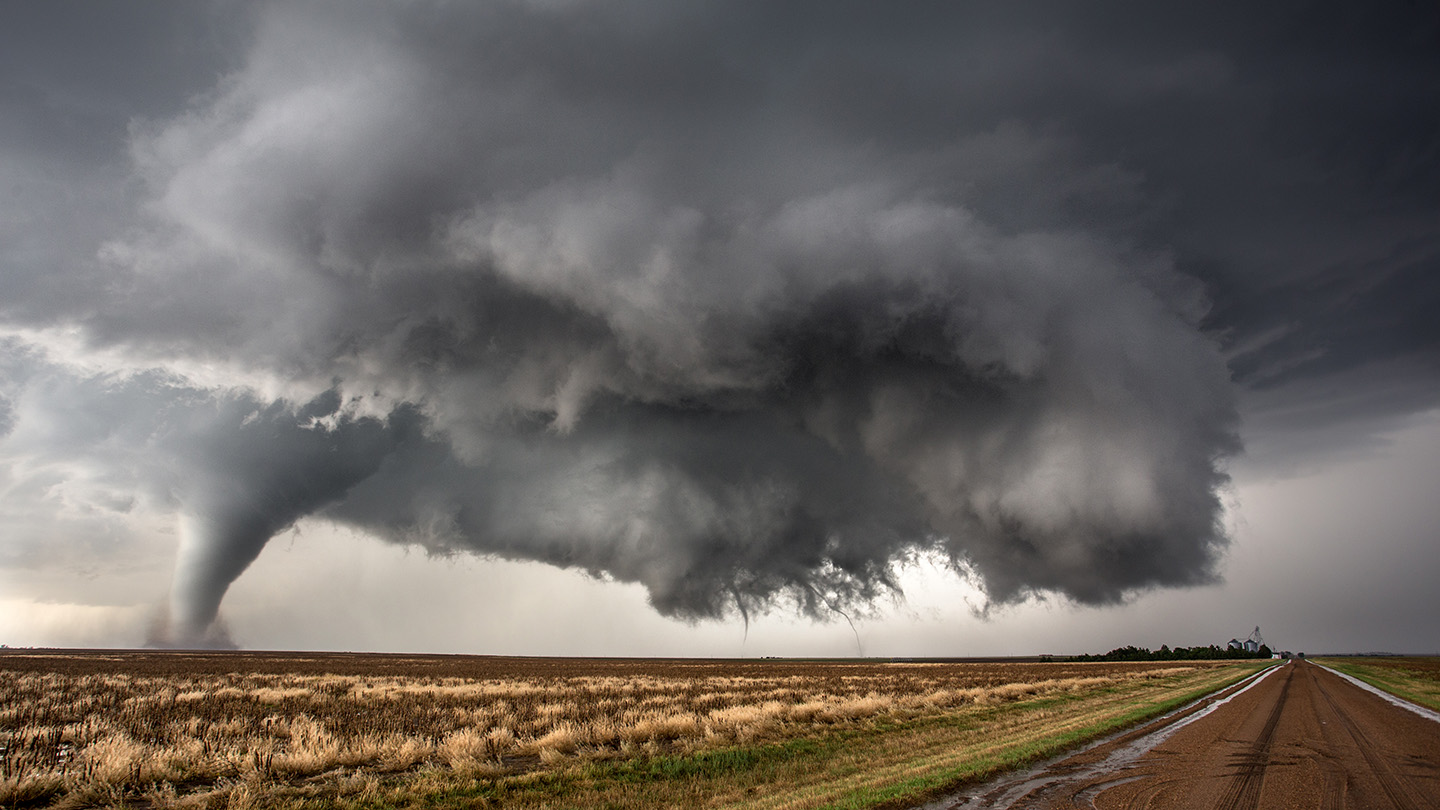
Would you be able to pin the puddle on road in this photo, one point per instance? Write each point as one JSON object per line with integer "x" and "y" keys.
{"x": 1005, "y": 791}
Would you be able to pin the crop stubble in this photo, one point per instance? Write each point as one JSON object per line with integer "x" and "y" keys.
{"x": 217, "y": 729}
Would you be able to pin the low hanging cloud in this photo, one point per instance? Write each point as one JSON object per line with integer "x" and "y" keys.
{"x": 562, "y": 283}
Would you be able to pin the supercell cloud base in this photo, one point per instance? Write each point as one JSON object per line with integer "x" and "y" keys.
{"x": 710, "y": 312}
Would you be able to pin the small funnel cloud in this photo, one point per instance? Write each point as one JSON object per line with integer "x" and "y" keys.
{"x": 716, "y": 339}
{"x": 252, "y": 474}
{"x": 952, "y": 279}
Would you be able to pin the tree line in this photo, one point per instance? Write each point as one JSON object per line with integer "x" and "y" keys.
{"x": 1166, "y": 653}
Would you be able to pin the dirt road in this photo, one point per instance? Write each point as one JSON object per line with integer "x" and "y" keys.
{"x": 1297, "y": 737}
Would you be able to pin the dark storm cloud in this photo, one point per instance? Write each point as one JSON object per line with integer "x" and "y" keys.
{"x": 1303, "y": 190}
{"x": 743, "y": 301}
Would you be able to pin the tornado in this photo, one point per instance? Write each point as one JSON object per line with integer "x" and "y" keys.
{"x": 249, "y": 472}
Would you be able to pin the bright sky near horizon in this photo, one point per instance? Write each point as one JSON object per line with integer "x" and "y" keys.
{"x": 695, "y": 328}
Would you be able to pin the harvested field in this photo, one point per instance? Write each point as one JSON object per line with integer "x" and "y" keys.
{"x": 231, "y": 729}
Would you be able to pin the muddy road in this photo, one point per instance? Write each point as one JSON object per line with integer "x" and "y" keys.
{"x": 1298, "y": 736}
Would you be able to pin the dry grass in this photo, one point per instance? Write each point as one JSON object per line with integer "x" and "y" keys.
{"x": 222, "y": 730}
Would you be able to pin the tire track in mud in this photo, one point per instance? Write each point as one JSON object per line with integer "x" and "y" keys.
{"x": 1243, "y": 792}
{"x": 1395, "y": 785}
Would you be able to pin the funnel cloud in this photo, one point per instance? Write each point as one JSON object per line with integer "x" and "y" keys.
{"x": 250, "y": 475}
{"x": 747, "y": 304}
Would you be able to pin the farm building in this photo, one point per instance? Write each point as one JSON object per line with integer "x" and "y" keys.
{"x": 1252, "y": 644}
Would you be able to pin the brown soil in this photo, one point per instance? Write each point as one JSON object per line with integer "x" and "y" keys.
{"x": 1300, "y": 738}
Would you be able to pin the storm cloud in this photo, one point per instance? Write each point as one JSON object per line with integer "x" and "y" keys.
{"x": 747, "y": 303}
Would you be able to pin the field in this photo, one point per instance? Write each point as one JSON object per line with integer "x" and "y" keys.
{"x": 1415, "y": 679}
{"x": 209, "y": 730}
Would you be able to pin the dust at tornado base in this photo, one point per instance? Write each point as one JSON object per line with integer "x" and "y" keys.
{"x": 1299, "y": 737}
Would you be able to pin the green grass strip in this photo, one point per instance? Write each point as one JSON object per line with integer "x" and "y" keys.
{"x": 1414, "y": 679}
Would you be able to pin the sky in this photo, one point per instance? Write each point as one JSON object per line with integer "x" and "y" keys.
{"x": 683, "y": 328}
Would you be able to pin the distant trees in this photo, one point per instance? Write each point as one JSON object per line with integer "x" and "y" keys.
{"x": 1165, "y": 653}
